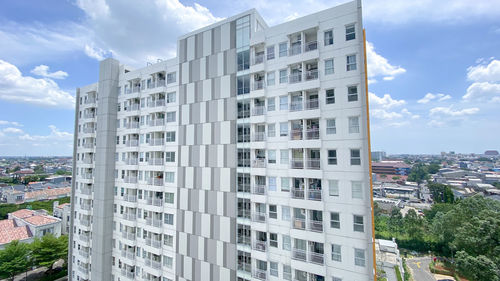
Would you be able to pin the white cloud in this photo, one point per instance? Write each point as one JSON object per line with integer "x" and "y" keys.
{"x": 11, "y": 123}
{"x": 384, "y": 114}
{"x": 448, "y": 111}
{"x": 12, "y": 130}
{"x": 380, "y": 66}
{"x": 429, "y": 97}
{"x": 483, "y": 92}
{"x": 15, "y": 87}
{"x": 386, "y": 101}
{"x": 436, "y": 123}
{"x": 485, "y": 73}
{"x": 55, "y": 135}
{"x": 43, "y": 70}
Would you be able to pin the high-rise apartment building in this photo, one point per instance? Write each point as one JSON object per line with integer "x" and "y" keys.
{"x": 246, "y": 157}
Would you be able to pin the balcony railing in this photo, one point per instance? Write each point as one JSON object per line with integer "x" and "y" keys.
{"x": 132, "y": 125}
{"x": 130, "y": 198}
{"x": 154, "y": 222}
{"x": 88, "y": 161}
{"x": 311, "y": 75}
{"x": 128, "y": 254}
{"x": 160, "y": 83}
{"x": 259, "y": 217}
{"x": 247, "y": 267}
{"x": 295, "y": 49}
{"x": 83, "y": 269}
{"x": 129, "y": 216}
{"x": 245, "y": 240}
{"x": 296, "y": 134}
{"x": 297, "y": 163}
{"x": 259, "y": 163}
{"x": 85, "y": 207}
{"x": 155, "y": 181}
{"x": 153, "y": 243}
{"x": 156, "y": 103}
{"x": 299, "y": 254}
{"x": 259, "y": 136}
{"x": 259, "y": 274}
{"x": 296, "y": 106}
{"x": 89, "y": 130}
{"x": 299, "y": 223}
{"x": 316, "y": 226}
{"x": 155, "y": 161}
{"x": 259, "y": 58}
{"x": 132, "y": 161}
{"x": 90, "y": 101}
{"x": 258, "y": 110}
{"x": 312, "y": 134}
{"x": 243, "y": 162}
{"x": 88, "y": 145}
{"x": 258, "y": 85}
{"x": 312, "y": 104}
{"x": 244, "y": 213}
{"x": 84, "y": 237}
{"x": 85, "y": 222}
{"x": 260, "y": 245}
{"x": 83, "y": 253}
{"x": 295, "y": 78}
{"x": 87, "y": 176}
{"x": 156, "y": 141}
{"x": 130, "y": 179}
{"x": 157, "y": 122}
{"x": 128, "y": 235}
{"x": 297, "y": 193}
{"x": 133, "y": 107}
{"x": 89, "y": 115}
{"x": 314, "y": 194}
{"x": 155, "y": 201}
{"x": 132, "y": 143}
{"x": 311, "y": 46}
{"x": 259, "y": 189}
{"x": 127, "y": 274}
{"x": 313, "y": 164}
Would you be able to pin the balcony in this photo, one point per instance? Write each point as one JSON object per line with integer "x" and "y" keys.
{"x": 129, "y": 217}
{"x": 295, "y": 49}
{"x": 244, "y": 267}
{"x": 87, "y": 176}
{"x": 259, "y": 136}
{"x": 130, "y": 179}
{"x": 155, "y": 181}
{"x": 259, "y": 163}
{"x": 155, "y": 161}
{"x": 90, "y": 101}
{"x": 313, "y": 164}
{"x": 156, "y": 122}
{"x": 132, "y": 143}
{"x": 156, "y": 141}
{"x": 259, "y": 58}
{"x": 86, "y": 191}
{"x": 84, "y": 237}
{"x": 89, "y": 115}
{"x": 297, "y": 193}
{"x": 243, "y": 213}
{"x": 130, "y": 198}
{"x": 258, "y": 110}
{"x": 86, "y": 207}
{"x": 295, "y": 134}
{"x": 84, "y": 253}
{"x": 311, "y": 75}
{"x": 312, "y": 134}
{"x": 314, "y": 194}
{"x": 83, "y": 269}
{"x": 299, "y": 223}
{"x": 155, "y": 201}
{"x": 128, "y": 254}
{"x": 87, "y": 161}
{"x": 89, "y": 130}
{"x": 297, "y": 163}
{"x": 260, "y": 245}
{"x": 312, "y": 104}
{"x": 132, "y": 125}
{"x": 316, "y": 226}
{"x": 128, "y": 235}
{"x": 154, "y": 264}
{"x": 160, "y": 83}
{"x": 295, "y": 78}
{"x": 258, "y": 85}
{"x": 296, "y": 106}
{"x": 132, "y": 161}
{"x": 127, "y": 274}
{"x": 153, "y": 243}
{"x": 245, "y": 240}
{"x": 88, "y": 145}
{"x": 299, "y": 254}
{"x": 85, "y": 222}
{"x": 259, "y": 189}
{"x": 154, "y": 222}
{"x": 133, "y": 107}
{"x": 157, "y": 103}
{"x": 259, "y": 274}
{"x": 243, "y": 162}
{"x": 259, "y": 217}
{"x": 311, "y": 46}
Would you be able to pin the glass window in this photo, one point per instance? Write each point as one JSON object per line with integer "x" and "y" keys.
{"x": 273, "y": 211}
{"x": 169, "y": 177}
{"x": 243, "y": 60}
{"x": 355, "y": 157}
{"x": 332, "y": 157}
{"x": 328, "y": 66}
{"x": 330, "y": 96}
{"x": 171, "y": 77}
{"x": 287, "y": 243}
{"x": 168, "y": 240}
{"x": 333, "y": 187}
{"x": 169, "y": 219}
{"x": 285, "y": 213}
{"x": 271, "y": 104}
{"x": 243, "y": 109}
{"x": 283, "y": 49}
{"x": 359, "y": 257}
{"x": 270, "y": 52}
{"x": 270, "y": 78}
{"x": 283, "y": 129}
{"x": 336, "y": 278}
{"x": 243, "y": 32}
{"x": 243, "y": 84}
{"x": 271, "y": 130}
{"x": 171, "y": 97}
{"x": 353, "y": 125}
{"x": 331, "y": 127}
{"x": 283, "y": 76}
{"x": 350, "y": 32}
{"x": 328, "y": 37}
{"x": 169, "y": 198}
{"x": 336, "y": 252}
{"x": 358, "y": 225}
{"x": 334, "y": 220}
{"x": 167, "y": 261}
{"x": 170, "y": 156}
{"x": 357, "y": 189}
{"x": 351, "y": 63}
{"x": 271, "y": 156}
{"x": 352, "y": 93}
{"x": 273, "y": 268}
{"x": 284, "y": 157}
{"x": 284, "y": 103}
{"x": 272, "y": 183}
{"x": 171, "y": 116}
{"x": 285, "y": 184}
{"x": 170, "y": 136}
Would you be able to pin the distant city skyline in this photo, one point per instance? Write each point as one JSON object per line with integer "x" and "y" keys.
{"x": 434, "y": 66}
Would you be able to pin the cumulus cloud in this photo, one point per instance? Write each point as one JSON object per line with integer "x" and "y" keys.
{"x": 486, "y": 81}
{"x": 18, "y": 142}
{"x": 380, "y": 66}
{"x": 485, "y": 72}
{"x": 383, "y": 110}
{"x": 10, "y": 123}
{"x": 15, "y": 87}
{"x": 43, "y": 70}
{"x": 429, "y": 97}
{"x": 448, "y": 111}
{"x": 386, "y": 101}
{"x": 12, "y": 130}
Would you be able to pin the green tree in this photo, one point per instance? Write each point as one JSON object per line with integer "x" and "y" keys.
{"x": 418, "y": 173}
{"x": 395, "y": 222}
{"x": 48, "y": 249}
{"x": 441, "y": 193}
{"x": 433, "y": 168}
{"x": 14, "y": 259}
{"x": 39, "y": 169}
{"x": 478, "y": 268}
{"x": 413, "y": 224}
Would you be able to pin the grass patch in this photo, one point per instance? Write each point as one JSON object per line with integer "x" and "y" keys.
{"x": 398, "y": 273}
{"x": 37, "y": 205}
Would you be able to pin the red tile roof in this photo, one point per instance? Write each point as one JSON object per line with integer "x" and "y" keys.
{"x": 24, "y": 213}
{"x": 62, "y": 205}
{"x": 47, "y": 193}
{"x": 16, "y": 233}
{"x": 40, "y": 220}
{"x": 7, "y": 224}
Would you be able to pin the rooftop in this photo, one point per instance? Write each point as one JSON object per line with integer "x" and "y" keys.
{"x": 17, "y": 233}
{"x": 24, "y": 213}
{"x": 40, "y": 220}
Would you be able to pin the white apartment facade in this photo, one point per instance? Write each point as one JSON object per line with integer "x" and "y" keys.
{"x": 244, "y": 158}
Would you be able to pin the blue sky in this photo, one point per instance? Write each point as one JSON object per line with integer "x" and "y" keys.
{"x": 434, "y": 66}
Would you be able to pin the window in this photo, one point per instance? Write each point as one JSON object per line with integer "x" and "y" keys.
{"x": 243, "y": 60}
{"x": 284, "y": 103}
{"x": 332, "y": 157}
{"x": 169, "y": 219}
{"x": 283, "y": 76}
{"x": 169, "y": 198}
{"x": 358, "y": 225}
{"x": 171, "y": 116}
{"x": 283, "y": 129}
{"x": 285, "y": 184}
{"x": 273, "y": 268}
{"x": 333, "y": 187}
{"x": 271, "y": 130}
{"x": 330, "y": 96}
{"x": 287, "y": 243}
{"x": 284, "y": 156}
{"x": 357, "y": 190}
{"x": 359, "y": 257}
{"x": 283, "y": 49}
{"x": 270, "y": 78}
{"x": 355, "y": 157}
{"x": 270, "y": 52}
{"x": 273, "y": 212}
{"x": 167, "y": 261}
{"x": 352, "y": 93}
{"x": 351, "y": 63}
{"x": 169, "y": 177}
{"x": 334, "y": 220}
{"x": 336, "y": 278}
{"x": 285, "y": 213}
{"x": 170, "y": 156}
{"x": 350, "y": 32}
{"x": 353, "y": 125}
{"x": 271, "y": 156}
{"x": 272, "y": 183}
{"x": 168, "y": 240}
{"x": 336, "y": 252}
{"x": 328, "y": 37}
{"x": 329, "y": 66}
{"x": 171, "y": 97}
{"x": 170, "y": 136}
{"x": 271, "y": 104}
{"x": 243, "y": 84}
{"x": 331, "y": 127}
{"x": 243, "y": 109}
{"x": 171, "y": 77}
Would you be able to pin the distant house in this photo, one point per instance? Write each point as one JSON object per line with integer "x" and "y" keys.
{"x": 47, "y": 194}
{"x": 391, "y": 168}
{"x": 491, "y": 153}
{"x": 63, "y": 212}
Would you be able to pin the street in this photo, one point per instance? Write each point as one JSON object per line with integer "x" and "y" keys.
{"x": 419, "y": 268}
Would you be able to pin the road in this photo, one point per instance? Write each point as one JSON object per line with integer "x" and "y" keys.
{"x": 420, "y": 269}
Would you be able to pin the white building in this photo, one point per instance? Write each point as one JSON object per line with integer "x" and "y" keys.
{"x": 246, "y": 157}
{"x": 63, "y": 211}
